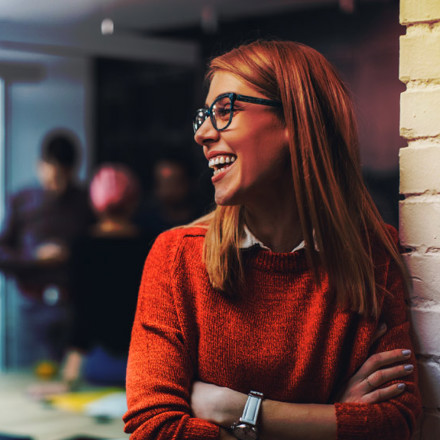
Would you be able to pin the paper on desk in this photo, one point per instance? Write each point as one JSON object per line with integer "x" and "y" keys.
{"x": 77, "y": 401}
{"x": 113, "y": 405}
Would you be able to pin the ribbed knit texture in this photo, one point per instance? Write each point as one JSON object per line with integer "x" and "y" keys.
{"x": 282, "y": 335}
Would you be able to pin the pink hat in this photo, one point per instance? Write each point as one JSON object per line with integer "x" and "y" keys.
{"x": 114, "y": 190}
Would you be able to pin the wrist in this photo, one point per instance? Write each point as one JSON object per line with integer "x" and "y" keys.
{"x": 232, "y": 406}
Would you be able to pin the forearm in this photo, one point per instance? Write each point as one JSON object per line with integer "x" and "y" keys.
{"x": 277, "y": 420}
{"x": 291, "y": 421}
{"x": 287, "y": 421}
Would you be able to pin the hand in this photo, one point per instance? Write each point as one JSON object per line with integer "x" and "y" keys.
{"x": 364, "y": 386}
{"x": 72, "y": 367}
{"x": 51, "y": 252}
{"x": 219, "y": 405}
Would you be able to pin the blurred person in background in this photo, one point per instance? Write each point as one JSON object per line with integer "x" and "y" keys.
{"x": 40, "y": 225}
{"x": 106, "y": 269}
{"x": 174, "y": 202}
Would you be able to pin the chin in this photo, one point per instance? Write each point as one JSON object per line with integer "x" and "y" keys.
{"x": 232, "y": 196}
{"x": 223, "y": 200}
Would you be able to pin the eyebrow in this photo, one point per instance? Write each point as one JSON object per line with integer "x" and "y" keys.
{"x": 220, "y": 94}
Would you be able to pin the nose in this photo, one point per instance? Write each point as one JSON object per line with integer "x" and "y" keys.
{"x": 206, "y": 133}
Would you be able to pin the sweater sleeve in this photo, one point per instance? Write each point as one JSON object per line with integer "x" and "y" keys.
{"x": 160, "y": 371}
{"x": 395, "y": 418}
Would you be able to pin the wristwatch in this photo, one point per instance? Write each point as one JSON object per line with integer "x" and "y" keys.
{"x": 246, "y": 427}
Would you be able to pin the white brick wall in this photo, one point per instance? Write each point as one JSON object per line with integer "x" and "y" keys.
{"x": 419, "y": 111}
{"x": 420, "y": 184}
{"x": 416, "y": 11}
{"x": 425, "y": 320}
{"x": 419, "y": 169}
{"x": 419, "y": 53}
{"x": 420, "y": 223}
{"x": 429, "y": 386}
{"x": 425, "y": 270}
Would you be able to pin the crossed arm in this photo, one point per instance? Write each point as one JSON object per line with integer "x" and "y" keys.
{"x": 289, "y": 421}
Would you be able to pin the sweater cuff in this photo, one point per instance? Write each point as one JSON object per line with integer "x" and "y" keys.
{"x": 352, "y": 421}
{"x": 199, "y": 428}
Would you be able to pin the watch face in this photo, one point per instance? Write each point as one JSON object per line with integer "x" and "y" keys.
{"x": 245, "y": 432}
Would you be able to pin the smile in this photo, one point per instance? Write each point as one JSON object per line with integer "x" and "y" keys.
{"x": 220, "y": 163}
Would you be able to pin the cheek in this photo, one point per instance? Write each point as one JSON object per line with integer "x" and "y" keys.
{"x": 270, "y": 152}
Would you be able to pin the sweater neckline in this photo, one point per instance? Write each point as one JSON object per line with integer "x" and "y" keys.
{"x": 280, "y": 262}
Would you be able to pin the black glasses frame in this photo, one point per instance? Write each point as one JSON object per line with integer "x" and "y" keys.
{"x": 203, "y": 113}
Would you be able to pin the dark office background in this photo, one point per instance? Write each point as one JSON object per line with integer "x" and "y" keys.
{"x": 143, "y": 110}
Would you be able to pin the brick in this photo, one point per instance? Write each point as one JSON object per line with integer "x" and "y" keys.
{"x": 420, "y": 222}
{"x": 426, "y": 328}
{"x": 430, "y": 429}
{"x": 413, "y": 11}
{"x": 419, "y": 113}
{"x": 419, "y": 170}
{"x": 420, "y": 56}
{"x": 425, "y": 275}
{"x": 429, "y": 376}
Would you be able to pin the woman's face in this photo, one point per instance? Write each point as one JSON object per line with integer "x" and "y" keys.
{"x": 254, "y": 148}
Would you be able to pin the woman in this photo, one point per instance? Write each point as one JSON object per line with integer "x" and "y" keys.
{"x": 106, "y": 269}
{"x": 280, "y": 291}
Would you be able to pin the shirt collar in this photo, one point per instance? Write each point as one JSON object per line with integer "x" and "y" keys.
{"x": 250, "y": 240}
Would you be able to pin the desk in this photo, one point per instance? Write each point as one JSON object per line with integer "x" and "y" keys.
{"x": 20, "y": 415}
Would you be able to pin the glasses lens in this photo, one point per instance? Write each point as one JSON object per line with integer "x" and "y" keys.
{"x": 199, "y": 118}
{"x": 222, "y": 112}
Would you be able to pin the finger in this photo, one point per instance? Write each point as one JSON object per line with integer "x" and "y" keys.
{"x": 382, "y": 394}
{"x": 380, "y": 377}
{"x": 379, "y": 332}
{"x": 382, "y": 359}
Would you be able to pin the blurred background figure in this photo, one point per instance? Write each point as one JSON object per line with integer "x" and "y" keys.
{"x": 174, "y": 201}
{"x": 35, "y": 242}
{"x": 106, "y": 271}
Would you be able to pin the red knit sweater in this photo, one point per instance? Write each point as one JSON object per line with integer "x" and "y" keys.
{"x": 282, "y": 336}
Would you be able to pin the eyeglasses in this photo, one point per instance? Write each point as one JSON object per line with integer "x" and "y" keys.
{"x": 221, "y": 110}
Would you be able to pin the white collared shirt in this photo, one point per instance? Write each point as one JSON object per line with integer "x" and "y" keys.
{"x": 250, "y": 240}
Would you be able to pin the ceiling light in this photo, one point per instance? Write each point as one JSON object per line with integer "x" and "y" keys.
{"x": 107, "y": 26}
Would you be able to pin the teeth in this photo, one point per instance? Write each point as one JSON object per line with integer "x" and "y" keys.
{"x": 221, "y": 160}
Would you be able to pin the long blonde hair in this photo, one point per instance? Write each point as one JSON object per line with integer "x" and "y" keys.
{"x": 335, "y": 210}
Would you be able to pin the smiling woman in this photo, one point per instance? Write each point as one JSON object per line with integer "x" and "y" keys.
{"x": 281, "y": 314}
